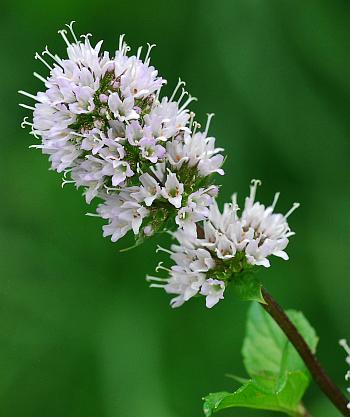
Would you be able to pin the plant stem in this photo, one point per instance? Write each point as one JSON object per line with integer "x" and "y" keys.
{"x": 316, "y": 370}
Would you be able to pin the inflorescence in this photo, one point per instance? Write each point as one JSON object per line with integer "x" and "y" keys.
{"x": 209, "y": 256}
{"x": 106, "y": 128}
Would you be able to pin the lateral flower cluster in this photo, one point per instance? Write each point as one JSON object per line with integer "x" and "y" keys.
{"x": 104, "y": 126}
{"x": 209, "y": 256}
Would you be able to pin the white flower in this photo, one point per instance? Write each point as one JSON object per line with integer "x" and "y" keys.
{"x": 85, "y": 100}
{"x": 196, "y": 150}
{"x": 134, "y": 133}
{"x": 173, "y": 190}
{"x": 133, "y": 213}
{"x": 197, "y": 208}
{"x": 226, "y": 244}
{"x": 167, "y": 119}
{"x": 213, "y": 290}
{"x": 151, "y": 150}
{"x": 149, "y": 191}
{"x": 122, "y": 108}
{"x": 123, "y": 213}
{"x": 185, "y": 284}
{"x": 118, "y": 170}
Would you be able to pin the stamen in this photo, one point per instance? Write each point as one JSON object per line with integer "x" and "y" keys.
{"x": 139, "y": 50}
{"x": 160, "y": 266}
{"x": 123, "y": 47}
{"x": 86, "y": 36}
{"x": 64, "y": 182}
{"x": 343, "y": 343}
{"x": 156, "y": 286}
{"x": 25, "y": 123}
{"x": 294, "y": 207}
{"x": 150, "y": 46}
{"x": 150, "y": 278}
{"x": 196, "y": 125}
{"x": 234, "y": 200}
{"x": 92, "y": 214}
{"x": 109, "y": 189}
{"x": 187, "y": 102}
{"x": 210, "y": 116}
{"x": 63, "y": 33}
{"x": 192, "y": 116}
{"x": 27, "y": 107}
{"x": 121, "y": 42}
{"x": 179, "y": 84}
{"x": 54, "y": 57}
{"x": 183, "y": 93}
{"x": 273, "y": 205}
{"x": 37, "y": 56}
{"x": 24, "y": 93}
{"x": 161, "y": 249}
{"x": 34, "y": 133}
{"x": 39, "y": 77}
{"x": 253, "y": 188}
{"x": 70, "y": 26}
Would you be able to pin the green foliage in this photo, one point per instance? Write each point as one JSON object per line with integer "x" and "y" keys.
{"x": 278, "y": 376}
{"x": 248, "y": 287}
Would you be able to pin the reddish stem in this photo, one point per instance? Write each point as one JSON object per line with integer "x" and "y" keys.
{"x": 320, "y": 376}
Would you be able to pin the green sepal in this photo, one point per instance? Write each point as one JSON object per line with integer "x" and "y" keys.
{"x": 248, "y": 287}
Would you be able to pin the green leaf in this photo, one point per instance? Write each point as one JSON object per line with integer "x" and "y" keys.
{"x": 267, "y": 349}
{"x": 278, "y": 376}
{"x": 252, "y": 395}
{"x": 248, "y": 287}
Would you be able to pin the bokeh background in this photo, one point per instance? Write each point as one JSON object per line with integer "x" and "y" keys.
{"x": 81, "y": 334}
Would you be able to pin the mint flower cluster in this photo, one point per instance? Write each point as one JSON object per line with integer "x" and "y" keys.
{"x": 227, "y": 244}
{"x": 105, "y": 126}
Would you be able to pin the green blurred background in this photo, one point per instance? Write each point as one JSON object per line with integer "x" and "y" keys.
{"x": 81, "y": 334}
